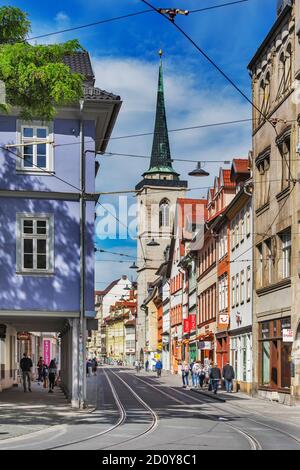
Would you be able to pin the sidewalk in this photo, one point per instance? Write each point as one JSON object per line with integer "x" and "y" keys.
{"x": 22, "y": 413}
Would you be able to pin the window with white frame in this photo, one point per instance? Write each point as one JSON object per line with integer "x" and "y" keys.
{"x": 233, "y": 291}
{"x": 237, "y": 287}
{"x": 242, "y": 294}
{"x": 242, "y": 225}
{"x": 35, "y": 244}
{"x": 286, "y": 254}
{"x": 223, "y": 293}
{"x": 248, "y": 222}
{"x": 35, "y": 149}
{"x": 248, "y": 284}
{"x": 260, "y": 266}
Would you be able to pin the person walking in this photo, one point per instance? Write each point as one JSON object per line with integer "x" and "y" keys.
{"x": 94, "y": 366}
{"x": 45, "y": 375}
{"x": 52, "y": 375}
{"x": 26, "y": 367}
{"x": 185, "y": 370}
{"x": 158, "y": 368}
{"x": 147, "y": 366}
{"x": 201, "y": 375}
{"x": 40, "y": 367}
{"x": 137, "y": 366}
{"x": 215, "y": 376}
{"x": 195, "y": 375}
{"x": 228, "y": 376}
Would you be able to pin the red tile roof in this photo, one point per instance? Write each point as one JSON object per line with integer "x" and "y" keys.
{"x": 240, "y": 165}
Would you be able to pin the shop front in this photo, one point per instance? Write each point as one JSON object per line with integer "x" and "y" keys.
{"x": 275, "y": 358}
{"x": 193, "y": 351}
{"x": 222, "y": 349}
{"x": 241, "y": 360}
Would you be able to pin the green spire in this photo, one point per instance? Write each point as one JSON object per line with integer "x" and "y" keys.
{"x": 161, "y": 161}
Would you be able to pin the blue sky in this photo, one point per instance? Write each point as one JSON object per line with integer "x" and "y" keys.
{"x": 125, "y": 60}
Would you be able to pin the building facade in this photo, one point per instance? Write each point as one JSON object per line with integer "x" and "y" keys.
{"x": 42, "y": 287}
{"x": 276, "y": 208}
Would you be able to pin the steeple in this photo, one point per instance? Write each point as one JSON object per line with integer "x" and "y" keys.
{"x": 161, "y": 162}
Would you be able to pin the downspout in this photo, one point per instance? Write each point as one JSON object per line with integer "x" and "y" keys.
{"x": 82, "y": 323}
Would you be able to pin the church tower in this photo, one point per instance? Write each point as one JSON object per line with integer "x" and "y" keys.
{"x": 157, "y": 194}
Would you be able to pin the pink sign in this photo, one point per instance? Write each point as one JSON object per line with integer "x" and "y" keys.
{"x": 47, "y": 351}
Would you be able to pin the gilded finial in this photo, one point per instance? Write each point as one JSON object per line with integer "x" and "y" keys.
{"x": 160, "y": 53}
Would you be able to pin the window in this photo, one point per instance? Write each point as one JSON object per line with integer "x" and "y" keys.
{"x": 164, "y": 214}
{"x": 248, "y": 222}
{"x": 286, "y": 247}
{"x": 259, "y": 272}
{"x": 248, "y": 284}
{"x": 237, "y": 288}
{"x": 35, "y": 149}
{"x": 242, "y": 234}
{"x": 242, "y": 296}
{"x": 284, "y": 145}
{"x": 35, "y": 244}
{"x": 223, "y": 293}
{"x": 233, "y": 300}
{"x": 269, "y": 261}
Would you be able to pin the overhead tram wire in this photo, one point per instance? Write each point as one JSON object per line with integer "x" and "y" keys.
{"x": 145, "y": 134}
{"x": 218, "y": 68}
{"x": 122, "y": 17}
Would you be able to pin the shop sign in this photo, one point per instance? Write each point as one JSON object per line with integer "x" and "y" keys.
{"x": 192, "y": 323}
{"x": 287, "y": 336}
{"x": 224, "y": 319}
{"x": 186, "y": 326}
{"x": 23, "y": 336}
{"x": 205, "y": 345}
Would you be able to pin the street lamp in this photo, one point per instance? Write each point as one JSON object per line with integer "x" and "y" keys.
{"x": 199, "y": 171}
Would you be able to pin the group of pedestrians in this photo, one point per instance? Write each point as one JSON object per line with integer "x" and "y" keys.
{"x": 91, "y": 367}
{"x": 158, "y": 366}
{"x": 45, "y": 373}
{"x": 207, "y": 374}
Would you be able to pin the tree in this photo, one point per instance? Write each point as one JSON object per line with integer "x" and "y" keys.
{"x": 35, "y": 77}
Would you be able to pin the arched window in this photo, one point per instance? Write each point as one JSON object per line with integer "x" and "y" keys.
{"x": 164, "y": 214}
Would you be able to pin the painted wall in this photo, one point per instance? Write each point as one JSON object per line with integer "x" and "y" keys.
{"x": 57, "y": 292}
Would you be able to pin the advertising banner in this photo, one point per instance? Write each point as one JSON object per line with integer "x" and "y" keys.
{"x": 193, "y": 322}
{"x": 47, "y": 351}
{"x": 186, "y": 326}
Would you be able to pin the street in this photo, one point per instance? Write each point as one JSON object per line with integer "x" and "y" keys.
{"x": 141, "y": 412}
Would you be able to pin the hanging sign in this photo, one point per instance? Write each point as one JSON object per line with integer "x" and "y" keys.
{"x": 23, "y": 336}
{"x": 47, "y": 352}
{"x": 287, "y": 336}
{"x": 193, "y": 322}
{"x": 224, "y": 319}
{"x": 186, "y": 326}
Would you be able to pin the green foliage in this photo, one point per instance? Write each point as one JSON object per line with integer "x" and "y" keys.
{"x": 14, "y": 25}
{"x": 36, "y": 79}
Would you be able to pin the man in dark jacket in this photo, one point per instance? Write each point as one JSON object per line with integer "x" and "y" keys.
{"x": 26, "y": 366}
{"x": 215, "y": 377}
{"x": 228, "y": 376}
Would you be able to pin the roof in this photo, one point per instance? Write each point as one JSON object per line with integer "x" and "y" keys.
{"x": 240, "y": 165}
{"x": 108, "y": 288}
{"x": 80, "y": 62}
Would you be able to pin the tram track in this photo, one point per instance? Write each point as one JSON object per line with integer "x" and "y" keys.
{"x": 211, "y": 402}
{"x": 121, "y": 421}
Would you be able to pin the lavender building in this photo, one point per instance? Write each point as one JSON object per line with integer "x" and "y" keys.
{"x": 40, "y": 281}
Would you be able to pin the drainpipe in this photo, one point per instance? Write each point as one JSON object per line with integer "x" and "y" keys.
{"x": 82, "y": 321}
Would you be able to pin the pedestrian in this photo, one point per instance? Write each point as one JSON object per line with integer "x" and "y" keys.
{"x": 215, "y": 376}
{"x": 185, "y": 369}
{"x": 40, "y": 366}
{"x": 45, "y": 375}
{"x": 94, "y": 366}
{"x": 201, "y": 375}
{"x": 158, "y": 367}
{"x": 147, "y": 366}
{"x": 89, "y": 366}
{"x": 195, "y": 375}
{"x": 228, "y": 376}
{"x": 52, "y": 375}
{"x": 26, "y": 368}
{"x": 137, "y": 366}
